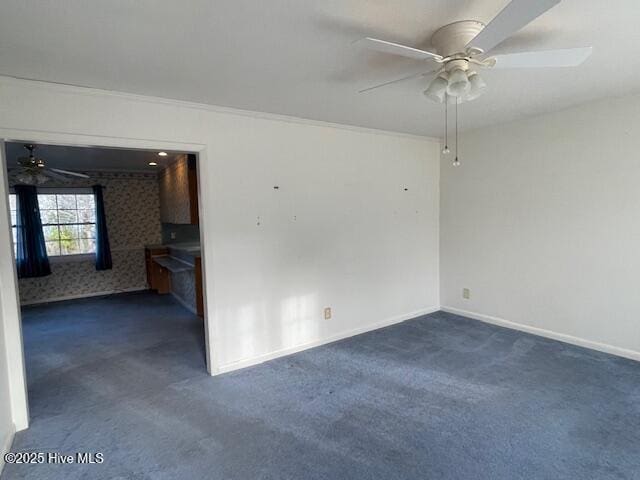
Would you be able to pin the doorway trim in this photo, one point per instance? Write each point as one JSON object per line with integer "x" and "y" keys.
{"x": 9, "y": 296}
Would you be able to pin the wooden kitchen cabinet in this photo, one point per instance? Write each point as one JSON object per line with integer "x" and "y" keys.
{"x": 158, "y": 278}
{"x": 178, "y": 184}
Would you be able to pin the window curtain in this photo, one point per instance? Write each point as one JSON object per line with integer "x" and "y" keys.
{"x": 103, "y": 251}
{"x": 31, "y": 251}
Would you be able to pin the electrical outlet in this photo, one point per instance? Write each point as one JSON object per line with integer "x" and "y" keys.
{"x": 327, "y": 313}
{"x": 466, "y": 293}
{"x": 173, "y": 235}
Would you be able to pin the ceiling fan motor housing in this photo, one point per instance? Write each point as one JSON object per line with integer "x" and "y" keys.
{"x": 461, "y": 64}
{"x": 452, "y": 39}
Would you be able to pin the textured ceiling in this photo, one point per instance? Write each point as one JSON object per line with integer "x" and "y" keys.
{"x": 295, "y": 57}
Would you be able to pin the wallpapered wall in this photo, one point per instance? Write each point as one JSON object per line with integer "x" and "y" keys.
{"x": 174, "y": 191}
{"x": 132, "y": 207}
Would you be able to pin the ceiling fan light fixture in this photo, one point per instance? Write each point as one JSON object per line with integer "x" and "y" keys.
{"x": 437, "y": 89}
{"x": 477, "y": 86}
{"x": 458, "y": 83}
{"x": 34, "y": 171}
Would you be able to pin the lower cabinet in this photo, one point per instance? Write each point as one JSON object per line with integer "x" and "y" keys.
{"x": 158, "y": 277}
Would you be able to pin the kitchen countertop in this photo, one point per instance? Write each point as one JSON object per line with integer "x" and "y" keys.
{"x": 181, "y": 257}
{"x": 173, "y": 264}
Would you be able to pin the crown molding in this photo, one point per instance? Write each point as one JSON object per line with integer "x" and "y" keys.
{"x": 95, "y": 92}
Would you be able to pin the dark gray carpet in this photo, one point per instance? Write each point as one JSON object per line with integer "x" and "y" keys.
{"x": 439, "y": 397}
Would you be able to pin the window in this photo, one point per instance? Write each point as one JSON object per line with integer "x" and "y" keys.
{"x": 68, "y": 222}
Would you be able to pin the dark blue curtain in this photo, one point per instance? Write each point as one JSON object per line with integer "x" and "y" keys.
{"x": 31, "y": 251}
{"x": 103, "y": 251}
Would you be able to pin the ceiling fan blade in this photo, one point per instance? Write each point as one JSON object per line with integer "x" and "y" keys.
{"x": 67, "y": 172}
{"x": 51, "y": 174}
{"x": 566, "y": 57}
{"x": 397, "y": 49}
{"x": 398, "y": 80}
{"x": 512, "y": 18}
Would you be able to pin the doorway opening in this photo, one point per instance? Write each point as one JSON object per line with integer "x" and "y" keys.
{"x": 108, "y": 253}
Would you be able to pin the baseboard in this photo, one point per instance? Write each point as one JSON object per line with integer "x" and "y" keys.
{"x": 6, "y": 445}
{"x": 83, "y": 295}
{"x": 248, "y": 362}
{"x": 562, "y": 337}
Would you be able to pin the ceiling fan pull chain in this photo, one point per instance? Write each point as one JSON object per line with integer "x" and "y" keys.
{"x": 456, "y": 162}
{"x": 446, "y": 150}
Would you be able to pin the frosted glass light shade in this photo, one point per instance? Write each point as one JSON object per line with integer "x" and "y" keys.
{"x": 437, "y": 89}
{"x": 458, "y": 83}
{"x": 477, "y": 86}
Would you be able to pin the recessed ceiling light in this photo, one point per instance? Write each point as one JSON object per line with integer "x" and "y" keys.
{"x": 152, "y": 164}
{"x": 162, "y": 154}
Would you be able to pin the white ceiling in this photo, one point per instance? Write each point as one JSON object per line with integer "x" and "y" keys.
{"x": 295, "y": 57}
{"x": 91, "y": 158}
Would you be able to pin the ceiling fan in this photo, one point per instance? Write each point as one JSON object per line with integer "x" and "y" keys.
{"x": 33, "y": 170}
{"x": 463, "y": 47}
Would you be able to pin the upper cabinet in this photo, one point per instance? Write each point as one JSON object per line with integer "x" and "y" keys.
{"x": 179, "y": 191}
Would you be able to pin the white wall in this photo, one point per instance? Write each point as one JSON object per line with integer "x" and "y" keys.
{"x": 542, "y": 223}
{"x": 341, "y": 231}
{"x": 7, "y": 428}
{"x": 13, "y": 393}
